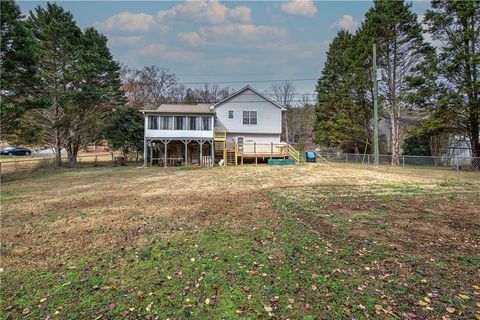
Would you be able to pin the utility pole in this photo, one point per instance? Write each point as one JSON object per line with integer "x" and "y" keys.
{"x": 375, "y": 104}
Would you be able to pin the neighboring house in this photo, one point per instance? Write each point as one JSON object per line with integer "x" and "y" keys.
{"x": 245, "y": 125}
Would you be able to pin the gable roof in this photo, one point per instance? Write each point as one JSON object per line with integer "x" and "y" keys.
{"x": 244, "y": 89}
{"x": 201, "y": 108}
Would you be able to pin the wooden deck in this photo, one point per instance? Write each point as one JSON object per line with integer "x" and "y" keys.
{"x": 234, "y": 154}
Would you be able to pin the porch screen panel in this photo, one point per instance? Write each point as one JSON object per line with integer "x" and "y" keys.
{"x": 166, "y": 122}
{"x": 191, "y": 123}
{"x": 198, "y": 123}
{"x": 206, "y": 123}
{"x": 153, "y": 122}
{"x": 180, "y": 123}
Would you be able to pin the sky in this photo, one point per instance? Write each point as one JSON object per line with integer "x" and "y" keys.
{"x": 218, "y": 41}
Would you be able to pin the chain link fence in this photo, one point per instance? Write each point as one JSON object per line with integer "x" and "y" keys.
{"x": 455, "y": 162}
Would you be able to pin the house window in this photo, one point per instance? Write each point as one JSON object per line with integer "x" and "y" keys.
{"x": 153, "y": 122}
{"x": 249, "y": 117}
{"x": 230, "y": 114}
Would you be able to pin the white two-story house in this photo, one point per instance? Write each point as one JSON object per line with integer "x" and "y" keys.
{"x": 244, "y": 126}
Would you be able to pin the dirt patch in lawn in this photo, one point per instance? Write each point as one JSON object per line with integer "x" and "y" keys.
{"x": 421, "y": 225}
{"x": 93, "y": 224}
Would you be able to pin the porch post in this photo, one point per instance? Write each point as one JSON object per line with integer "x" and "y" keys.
{"x": 165, "y": 153}
{"x": 151, "y": 153}
{"x": 212, "y": 152}
{"x": 201, "y": 150}
{"x": 145, "y": 151}
{"x": 186, "y": 152}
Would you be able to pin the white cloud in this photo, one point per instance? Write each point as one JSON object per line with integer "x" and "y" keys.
{"x": 299, "y": 7}
{"x": 192, "y": 38}
{"x": 233, "y": 31}
{"x": 160, "y": 50}
{"x": 302, "y": 50}
{"x": 117, "y": 41}
{"x": 131, "y": 22}
{"x": 345, "y": 22}
{"x": 210, "y": 11}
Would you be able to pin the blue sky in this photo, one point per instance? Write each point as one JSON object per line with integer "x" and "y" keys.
{"x": 223, "y": 40}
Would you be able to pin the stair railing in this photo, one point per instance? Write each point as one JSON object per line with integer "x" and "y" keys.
{"x": 292, "y": 152}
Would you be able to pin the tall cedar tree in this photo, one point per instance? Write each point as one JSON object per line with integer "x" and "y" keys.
{"x": 96, "y": 91}
{"x": 343, "y": 112}
{"x": 17, "y": 67}
{"x": 400, "y": 50}
{"x": 455, "y": 25}
{"x": 56, "y": 36}
{"x": 124, "y": 130}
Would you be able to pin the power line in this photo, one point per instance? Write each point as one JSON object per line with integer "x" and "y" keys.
{"x": 250, "y": 81}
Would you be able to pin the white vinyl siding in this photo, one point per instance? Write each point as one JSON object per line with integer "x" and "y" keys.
{"x": 268, "y": 115}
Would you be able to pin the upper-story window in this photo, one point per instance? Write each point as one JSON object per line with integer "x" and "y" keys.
{"x": 153, "y": 122}
{"x": 230, "y": 114}
{"x": 249, "y": 117}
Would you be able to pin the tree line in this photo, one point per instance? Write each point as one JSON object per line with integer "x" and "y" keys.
{"x": 61, "y": 88}
{"x": 433, "y": 81}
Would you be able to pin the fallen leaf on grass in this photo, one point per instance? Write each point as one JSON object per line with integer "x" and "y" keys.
{"x": 422, "y": 303}
{"x": 149, "y": 307}
{"x": 450, "y": 310}
{"x": 111, "y": 306}
{"x": 207, "y": 301}
{"x": 464, "y": 296}
{"x": 43, "y": 299}
{"x": 268, "y": 308}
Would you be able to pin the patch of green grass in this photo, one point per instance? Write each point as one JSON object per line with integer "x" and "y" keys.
{"x": 469, "y": 261}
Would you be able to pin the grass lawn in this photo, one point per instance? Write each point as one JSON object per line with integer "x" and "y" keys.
{"x": 300, "y": 242}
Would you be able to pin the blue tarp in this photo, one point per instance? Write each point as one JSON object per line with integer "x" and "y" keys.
{"x": 310, "y": 154}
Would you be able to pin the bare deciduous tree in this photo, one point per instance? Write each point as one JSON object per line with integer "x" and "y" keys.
{"x": 284, "y": 94}
{"x": 211, "y": 93}
{"x": 151, "y": 86}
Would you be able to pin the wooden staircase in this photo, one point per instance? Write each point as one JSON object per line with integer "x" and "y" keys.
{"x": 231, "y": 158}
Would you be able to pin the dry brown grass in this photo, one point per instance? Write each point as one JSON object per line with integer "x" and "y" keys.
{"x": 49, "y": 219}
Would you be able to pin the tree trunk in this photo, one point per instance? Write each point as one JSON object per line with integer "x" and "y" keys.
{"x": 474, "y": 128}
{"x": 72, "y": 153}
{"x": 58, "y": 156}
{"x": 395, "y": 139}
{"x": 57, "y": 149}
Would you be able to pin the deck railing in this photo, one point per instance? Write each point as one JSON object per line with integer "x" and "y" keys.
{"x": 274, "y": 149}
{"x": 220, "y": 134}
